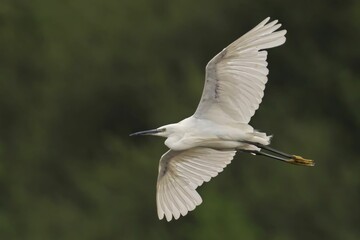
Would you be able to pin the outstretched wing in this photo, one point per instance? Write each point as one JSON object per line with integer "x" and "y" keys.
{"x": 181, "y": 172}
{"x": 236, "y": 77}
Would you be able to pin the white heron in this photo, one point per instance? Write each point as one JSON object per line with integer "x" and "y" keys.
{"x": 202, "y": 145}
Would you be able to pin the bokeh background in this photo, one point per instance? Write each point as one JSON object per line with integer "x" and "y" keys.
{"x": 76, "y": 77}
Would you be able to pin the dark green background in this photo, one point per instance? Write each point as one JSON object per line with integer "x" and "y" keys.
{"x": 76, "y": 77}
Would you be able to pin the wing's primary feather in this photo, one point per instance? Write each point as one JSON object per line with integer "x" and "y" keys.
{"x": 181, "y": 172}
{"x": 236, "y": 77}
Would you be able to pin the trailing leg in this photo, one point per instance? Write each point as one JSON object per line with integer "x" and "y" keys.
{"x": 281, "y": 156}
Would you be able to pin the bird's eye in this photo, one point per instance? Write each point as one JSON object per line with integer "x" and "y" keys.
{"x": 163, "y": 129}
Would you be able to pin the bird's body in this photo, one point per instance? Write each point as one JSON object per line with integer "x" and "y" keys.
{"x": 193, "y": 132}
{"x": 203, "y": 144}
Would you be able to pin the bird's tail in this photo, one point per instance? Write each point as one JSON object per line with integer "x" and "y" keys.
{"x": 260, "y": 137}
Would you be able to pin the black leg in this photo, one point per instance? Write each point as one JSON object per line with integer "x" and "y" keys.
{"x": 270, "y": 149}
{"x": 281, "y": 156}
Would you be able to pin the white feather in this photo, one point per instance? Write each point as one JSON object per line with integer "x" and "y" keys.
{"x": 236, "y": 77}
{"x": 181, "y": 172}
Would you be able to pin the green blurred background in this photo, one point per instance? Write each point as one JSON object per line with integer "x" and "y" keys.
{"x": 76, "y": 77}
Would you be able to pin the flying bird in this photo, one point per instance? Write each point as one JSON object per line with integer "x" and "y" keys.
{"x": 202, "y": 145}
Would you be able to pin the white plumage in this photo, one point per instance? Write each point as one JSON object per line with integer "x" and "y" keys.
{"x": 202, "y": 145}
{"x": 181, "y": 172}
{"x": 236, "y": 77}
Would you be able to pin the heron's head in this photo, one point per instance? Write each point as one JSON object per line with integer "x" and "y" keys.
{"x": 163, "y": 131}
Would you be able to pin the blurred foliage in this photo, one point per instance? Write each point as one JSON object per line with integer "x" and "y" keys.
{"x": 76, "y": 77}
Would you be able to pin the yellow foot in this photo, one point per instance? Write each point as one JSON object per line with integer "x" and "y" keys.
{"x": 298, "y": 160}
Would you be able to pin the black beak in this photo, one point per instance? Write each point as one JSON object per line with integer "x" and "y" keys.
{"x": 146, "y": 132}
